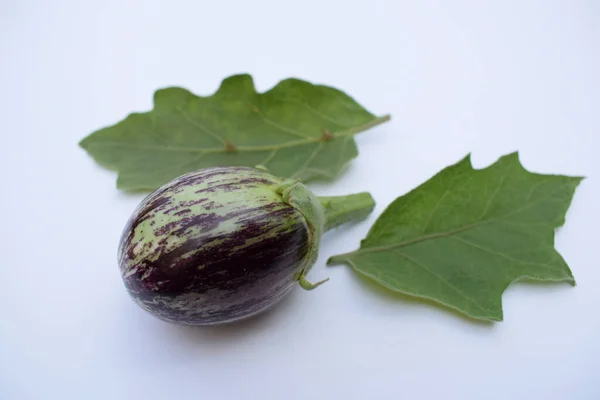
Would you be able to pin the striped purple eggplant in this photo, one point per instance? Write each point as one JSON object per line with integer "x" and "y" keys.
{"x": 226, "y": 243}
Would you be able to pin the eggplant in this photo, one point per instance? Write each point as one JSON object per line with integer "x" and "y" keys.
{"x": 226, "y": 243}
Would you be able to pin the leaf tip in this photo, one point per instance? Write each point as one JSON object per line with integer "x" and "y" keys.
{"x": 497, "y": 317}
{"x": 170, "y": 97}
{"x": 83, "y": 143}
{"x": 242, "y": 82}
{"x": 514, "y": 157}
{"x": 120, "y": 184}
{"x": 241, "y": 75}
{"x": 571, "y": 279}
{"x": 466, "y": 161}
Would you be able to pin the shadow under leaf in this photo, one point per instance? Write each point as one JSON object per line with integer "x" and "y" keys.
{"x": 387, "y": 294}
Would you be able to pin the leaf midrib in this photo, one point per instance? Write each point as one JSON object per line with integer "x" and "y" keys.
{"x": 452, "y": 231}
{"x": 347, "y": 132}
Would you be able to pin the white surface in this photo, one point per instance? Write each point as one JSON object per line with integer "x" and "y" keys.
{"x": 487, "y": 77}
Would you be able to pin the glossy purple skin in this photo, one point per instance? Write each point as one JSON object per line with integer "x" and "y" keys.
{"x": 229, "y": 261}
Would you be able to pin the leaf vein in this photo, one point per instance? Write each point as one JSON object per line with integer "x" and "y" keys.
{"x": 490, "y": 251}
{"x": 493, "y": 196}
{"x": 454, "y": 231}
{"x": 268, "y": 158}
{"x": 433, "y": 209}
{"x": 443, "y": 280}
{"x": 309, "y": 159}
{"x": 199, "y": 125}
{"x": 281, "y": 127}
{"x": 294, "y": 100}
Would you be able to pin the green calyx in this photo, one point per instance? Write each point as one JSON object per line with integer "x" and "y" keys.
{"x": 322, "y": 214}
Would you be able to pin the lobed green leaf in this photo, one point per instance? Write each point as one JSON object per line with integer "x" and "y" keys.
{"x": 464, "y": 236}
{"x": 296, "y": 130}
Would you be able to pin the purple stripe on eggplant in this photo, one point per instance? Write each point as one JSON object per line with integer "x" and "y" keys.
{"x": 209, "y": 175}
{"x": 145, "y": 212}
{"x": 193, "y": 202}
{"x": 184, "y": 211}
{"x": 235, "y": 185}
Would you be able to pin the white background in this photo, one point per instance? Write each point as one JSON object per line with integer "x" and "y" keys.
{"x": 487, "y": 77}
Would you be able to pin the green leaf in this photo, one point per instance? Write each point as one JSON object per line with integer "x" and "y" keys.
{"x": 463, "y": 236}
{"x": 296, "y": 130}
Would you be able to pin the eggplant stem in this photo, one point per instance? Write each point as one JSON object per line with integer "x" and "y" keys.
{"x": 343, "y": 209}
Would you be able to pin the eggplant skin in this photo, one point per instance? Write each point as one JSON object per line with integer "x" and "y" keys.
{"x": 213, "y": 246}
